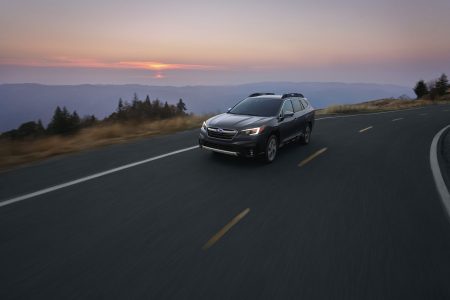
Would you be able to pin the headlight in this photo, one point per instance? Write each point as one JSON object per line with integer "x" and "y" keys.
{"x": 204, "y": 125}
{"x": 253, "y": 131}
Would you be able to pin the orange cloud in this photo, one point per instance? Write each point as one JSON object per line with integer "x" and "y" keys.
{"x": 91, "y": 63}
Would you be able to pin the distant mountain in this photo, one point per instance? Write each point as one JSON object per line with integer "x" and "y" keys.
{"x": 24, "y": 102}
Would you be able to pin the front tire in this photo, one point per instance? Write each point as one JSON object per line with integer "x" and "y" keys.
{"x": 271, "y": 149}
{"x": 306, "y": 135}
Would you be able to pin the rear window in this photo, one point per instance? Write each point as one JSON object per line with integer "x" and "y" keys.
{"x": 261, "y": 107}
{"x": 297, "y": 105}
{"x": 305, "y": 103}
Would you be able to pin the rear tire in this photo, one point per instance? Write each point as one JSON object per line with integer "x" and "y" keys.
{"x": 306, "y": 135}
{"x": 271, "y": 149}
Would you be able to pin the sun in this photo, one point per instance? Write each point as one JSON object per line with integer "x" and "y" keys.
{"x": 159, "y": 76}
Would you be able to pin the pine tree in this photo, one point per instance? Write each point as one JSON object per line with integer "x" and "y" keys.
{"x": 156, "y": 108}
{"x": 147, "y": 107}
{"x": 433, "y": 92}
{"x": 120, "y": 106}
{"x": 74, "y": 122}
{"x": 165, "y": 113}
{"x": 88, "y": 121}
{"x": 120, "y": 111}
{"x": 135, "y": 101}
{"x": 421, "y": 89}
{"x": 441, "y": 85}
{"x": 54, "y": 127}
{"x": 181, "y": 107}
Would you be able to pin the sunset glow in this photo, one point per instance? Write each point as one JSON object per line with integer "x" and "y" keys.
{"x": 158, "y": 66}
{"x": 90, "y": 63}
{"x": 210, "y": 42}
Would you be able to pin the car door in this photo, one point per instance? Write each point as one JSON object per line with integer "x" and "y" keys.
{"x": 299, "y": 116}
{"x": 287, "y": 121}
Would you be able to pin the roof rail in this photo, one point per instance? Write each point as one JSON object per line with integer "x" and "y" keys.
{"x": 292, "y": 95}
{"x": 260, "y": 94}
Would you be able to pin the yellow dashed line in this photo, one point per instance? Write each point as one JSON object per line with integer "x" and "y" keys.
{"x": 307, "y": 160}
{"x": 367, "y": 128}
{"x": 215, "y": 238}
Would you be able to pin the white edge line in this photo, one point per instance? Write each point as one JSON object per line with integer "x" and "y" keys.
{"x": 368, "y": 114}
{"x": 440, "y": 184}
{"x": 90, "y": 177}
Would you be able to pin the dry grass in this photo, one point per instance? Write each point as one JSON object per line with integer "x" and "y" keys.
{"x": 13, "y": 153}
{"x": 376, "y": 106}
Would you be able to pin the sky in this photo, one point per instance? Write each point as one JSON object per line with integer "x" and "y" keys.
{"x": 183, "y": 42}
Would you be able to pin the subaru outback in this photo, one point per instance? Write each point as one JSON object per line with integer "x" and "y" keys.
{"x": 259, "y": 125}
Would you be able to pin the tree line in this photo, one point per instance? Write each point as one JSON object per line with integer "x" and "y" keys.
{"x": 433, "y": 89}
{"x": 64, "y": 122}
{"x": 139, "y": 110}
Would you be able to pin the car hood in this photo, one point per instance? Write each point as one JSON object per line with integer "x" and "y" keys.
{"x": 232, "y": 121}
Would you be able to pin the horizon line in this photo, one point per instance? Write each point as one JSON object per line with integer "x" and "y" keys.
{"x": 202, "y": 85}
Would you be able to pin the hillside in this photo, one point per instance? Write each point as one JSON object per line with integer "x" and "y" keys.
{"x": 24, "y": 102}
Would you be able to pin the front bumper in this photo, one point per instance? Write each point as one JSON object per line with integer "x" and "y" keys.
{"x": 248, "y": 146}
{"x": 233, "y": 153}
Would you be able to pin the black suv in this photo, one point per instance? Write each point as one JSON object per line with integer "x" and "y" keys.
{"x": 259, "y": 125}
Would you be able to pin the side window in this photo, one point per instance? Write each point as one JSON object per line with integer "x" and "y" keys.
{"x": 287, "y": 106}
{"x": 297, "y": 105}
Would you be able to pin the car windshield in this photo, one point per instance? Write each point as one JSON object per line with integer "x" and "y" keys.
{"x": 261, "y": 107}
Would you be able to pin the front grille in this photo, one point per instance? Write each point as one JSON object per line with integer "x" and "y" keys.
{"x": 219, "y": 133}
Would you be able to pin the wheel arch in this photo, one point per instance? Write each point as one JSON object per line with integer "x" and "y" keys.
{"x": 275, "y": 132}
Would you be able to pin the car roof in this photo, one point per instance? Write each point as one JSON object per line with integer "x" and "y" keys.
{"x": 279, "y": 97}
{"x": 268, "y": 96}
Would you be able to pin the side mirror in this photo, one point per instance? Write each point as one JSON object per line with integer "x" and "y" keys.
{"x": 280, "y": 117}
{"x": 288, "y": 114}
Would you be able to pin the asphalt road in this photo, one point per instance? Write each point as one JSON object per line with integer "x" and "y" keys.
{"x": 360, "y": 220}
